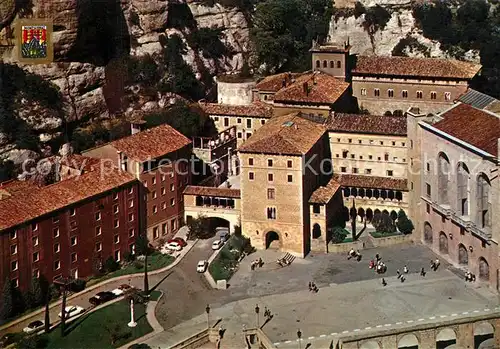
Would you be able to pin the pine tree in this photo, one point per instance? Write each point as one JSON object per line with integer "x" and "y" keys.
{"x": 7, "y": 309}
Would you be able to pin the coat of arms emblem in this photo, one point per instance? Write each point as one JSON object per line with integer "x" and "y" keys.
{"x": 34, "y": 39}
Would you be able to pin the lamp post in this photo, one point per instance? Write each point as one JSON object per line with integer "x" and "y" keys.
{"x": 299, "y": 337}
{"x": 257, "y": 310}
{"x": 132, "y": 322}
{"x": 207, "y": 310}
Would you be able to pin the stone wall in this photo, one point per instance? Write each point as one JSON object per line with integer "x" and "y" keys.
{"x": 236, "y": 93}
{"x": 391, "y": 240}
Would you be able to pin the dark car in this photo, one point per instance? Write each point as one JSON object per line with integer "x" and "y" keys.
{"x": 101, "y": 297}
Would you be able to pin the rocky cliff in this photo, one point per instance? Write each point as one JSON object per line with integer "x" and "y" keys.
{"x": 90, "y": 36}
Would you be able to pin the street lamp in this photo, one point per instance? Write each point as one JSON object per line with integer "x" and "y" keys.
{"x": 257, "y": 310}
{"x": 207, "y": 309}
{"x": 299, "y": 337}
{"x": 132, "y": 322}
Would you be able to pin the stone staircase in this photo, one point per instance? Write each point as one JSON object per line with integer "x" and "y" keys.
{"x": 289, "y": 258}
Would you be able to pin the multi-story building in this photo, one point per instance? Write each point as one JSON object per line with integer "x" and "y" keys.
{"x": 454, "y": 163}
{"x": 160, "y": 158}
{"x": 369, "y": 156}
{"x": 68, "y": 228}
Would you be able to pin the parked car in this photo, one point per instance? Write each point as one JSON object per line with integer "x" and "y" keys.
{"x": 34, "y": 326}
{"x": 217, "y": 244}
{"x": 223, "y": 233}
{"x": 180, "y": 241}
{"x": 174, "y": 246}
{"x": 202, "y": 266}
{"x": 72, "y": 310}
{"x": 102, "y": 297}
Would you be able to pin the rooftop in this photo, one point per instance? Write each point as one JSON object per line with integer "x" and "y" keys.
{"x": 331, "y": 47}
{"x": 416, "y": 67}
{"x": 371, "y": 124}
{"x": 371, "y": 182}
{"x": 151, "y": 143}
{"x": 324, "y": 194}
{"x": 314, "y": 87}
{"x": 37, "y": 201}
{"x": 211, "y": 191}
{"x": 274, "y": 83}
{"x": 479, "y": 128}
{"x": 289, "y": 134}
{"x": 256, "y": 109}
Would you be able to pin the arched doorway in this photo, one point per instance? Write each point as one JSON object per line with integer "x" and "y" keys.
{"x": 428, "y": 233}
{"x": 370, "y": 345}
{"x": 316, "y": 232}
{"x": 394, "y": 215}
{"x": 445, "y": 338}
{"x": 443, "y": 243}
{"x": 272, "y": 240}
{"x": 463, "y": 256}
{"x": 369, "y": 214}
{"x": 376, "y": 212}
{"x": 409, "y": 341}
{"x": 361, "y": 213}
{"x": 483, "y": 333}
{"x": 484, "y": 269}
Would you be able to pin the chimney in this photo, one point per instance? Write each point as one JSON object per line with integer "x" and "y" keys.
{"x": 120, "y": 159}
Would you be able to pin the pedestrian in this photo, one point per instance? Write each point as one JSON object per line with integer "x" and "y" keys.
{"x": 399, "y": 274}
{"x": 403, "y": 279}
{"x": 437, "y": 263}
{"x": 377, "y": 257}
{"x": 433, "y": 265}
{"x": 405, "y": 269}
{"x": 384, "y": 283}
{"x": 473, "y": 278}
{"x": 310, "y": 286}
{"x": 261, "y": 263}
{"x": 422, "y": 272}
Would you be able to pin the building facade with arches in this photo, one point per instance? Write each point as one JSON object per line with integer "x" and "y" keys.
{"x": 454, "y": 170}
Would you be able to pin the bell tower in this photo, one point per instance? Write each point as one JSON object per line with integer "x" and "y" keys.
{"x": 331, "y": 58}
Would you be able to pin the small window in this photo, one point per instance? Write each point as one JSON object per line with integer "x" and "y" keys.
{"x": 270, "y": 162}
{"x": 36, "y": 273}
{"x": 117, "y": 255}
{"x": 74, "y": 240}
{"x": 289, "y": 163}
{"x": 163, "y": 178}
{"x": 332, "y": 64}
{"x": 115, "y": 196}
{"x": 72, "y": 211}
{"x": 395, "y": 159}
{"x": 116, "y": 239}
{"x": 370, "y": 157}
{"x": 131, "y": 203}
{"x": 34, "y": 240}
{"x": 368, "y": 171}
{"x": 153, "y": 194}
{"x": 381, "y": 142}
{"x": 34, "y": 227}
{"x": 55, "y": 232}
{"x": 130, "y": 217}
{"x": 339, "y": 64}
{"x": 339, "y": 140}
{"x": 403, "y": 144}
{"x": 116, "y": 223}
{"x": 240, "y": 135}
{"x": 262, "y": 121}
{"x": 130, "y": 190}
{"x": 271, "y": 213}
{"x": 249, "y": 123}
{"x": 251, "y": 176}
{"x": 226, "y": 122}
{"x": 428, "y": 210}
{"x": 153, "y": 180}
{"x": 164, "y": 205}
{"x": 325, "y": 64}
{"x": 349, "y": 140}
{"x": 13, "y": 265}
{"x": 353, "y": 156}
{"x": 270, "y": 193}
{"x": 15, "y": 282}
{"x": 57, "y": 248}
{"x": 318, "y": 64}
{"x": 389, "y": 173}
{"x": 156, "y": 233}
{"x": 155, "y": 209}
{"x": 249, "y": 134}
{"x": 376, "y": 92}
{"x": 98, "y": 216}
{"x": 270, "y": 177}
{"x": 428, "y": 166}
{"x": 55, "y": 220}
{"x": 386, "y": 157}
{"x": 433, "y": 95}
{"x": 360, "y": 141}
{"x": 316, "y": 208}
{"x": 344, "y": 153}
{"x": 172, "y": 202}
{"x": 393, "y": 143}
{"x": 36, "y": 256}
{"x": 404, "y": 94}
{"x": 13, "y": 249}
{"x": 131, "y": 233}
{"x": 238, "y": 120}
{"x": 98, "y": 247}
{"x": 354, "y": 170}
{"x": 98, "y": 231}
{"x": 74, "y": 257}
{"x": 250, "y": 161}
{"x": 290, "y": 178}
{"x": 420, "y": 94}
{"x": 390, "y": 93}
{"x": 447, "y": 96}
{"x": 428, "y": 189}
{"x": 343, "y": 169}
{"x": 363, "y": 92}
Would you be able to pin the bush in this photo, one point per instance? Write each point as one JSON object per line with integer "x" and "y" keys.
{"x": 129, "y": 257}
{"x": 78, "y": 285}
{"x": 110, "y": 265}
{"x": 383, "y": 223}
{"x": 54, "y": 291}
{"x": 138, "y": 265}
{"x": 404, "y": 224}
{"x": 339, "y": 234}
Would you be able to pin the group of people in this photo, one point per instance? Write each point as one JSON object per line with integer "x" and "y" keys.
{"x": 401, "y": 276}
{"x": 435, "y": 264}
{"x": 354, "y": 254}
{"x": 313, "y": 287}
{"x": 257, "y": 263}
{"x": 282, "y": 262}
{"x": 377, "y": 265}
{"x": 469, "y": 277}
{"x": 267, "y": 313}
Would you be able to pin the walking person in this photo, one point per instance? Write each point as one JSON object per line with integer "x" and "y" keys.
{"x": 405, "y": 269}
{"x": 384, "y": 283}
{"x": 399, "y": 274}
{"x": 422, "y": 272}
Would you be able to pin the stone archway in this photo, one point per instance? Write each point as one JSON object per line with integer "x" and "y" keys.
{"x": 483, "y": 333}
{"x": 361, "y": 213}
{"x": 370, "y": 345}
{"x": 463, "y": 256}
{"x": 443, "y": 243}
{"x": 445, "y": 338}
{"x": 316, "y": 232}
{"x": 409, "y": 341}
{"x": 428, "y": 237}
{"x": 369, "y": 214}
{"x": 484, "y": 269}
{"x": 273, "y": 240}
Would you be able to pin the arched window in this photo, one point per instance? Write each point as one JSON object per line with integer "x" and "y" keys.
{"x": 325, "y": 64}
{"x": 332, "y": 64}
{"x": 339, "y": 64}
{"x": 483, "y": 201}
{"x": 463, "y": 189}
{"x": 318, "y": 64}
{"x": 443, "y": 179}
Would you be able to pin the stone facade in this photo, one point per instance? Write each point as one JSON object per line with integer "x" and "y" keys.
{"x": 245, "y": 125}
{"x": 234, "y": 92}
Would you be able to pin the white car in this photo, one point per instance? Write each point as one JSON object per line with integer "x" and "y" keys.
{"x": 72, "y": 310}
{"x": 217, "y": 244}
{"x": 34, "y": 326}
{"x": 174, "y": 246}
{"x": 202, "y": 266}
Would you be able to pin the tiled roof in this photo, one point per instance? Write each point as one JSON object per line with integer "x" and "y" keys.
{"x": 323, "y": 195}
{"x": 476, "y": 99}
{"x": 256, "y": 109}
{"x": 151, "y": 143}
{"x": 315, "y": 87}
{"x": 78, "y": 162}
{"x": 18, "y": 209}
{"x": 416, "y": 67}
{"x": 211, "y": 191}
{"x": 474, "y": 126}
{"x": 288, "y": 134}
{"x": 371, "y": 124}
{"x": 274, "y": 83}
{"x": 371, "y": 182}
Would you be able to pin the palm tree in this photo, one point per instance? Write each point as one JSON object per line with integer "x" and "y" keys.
{"x": 142, "y": 248}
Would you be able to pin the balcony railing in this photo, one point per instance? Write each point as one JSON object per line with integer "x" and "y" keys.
{"x": 213, "y": 143}
{"x": 215, "y": 202}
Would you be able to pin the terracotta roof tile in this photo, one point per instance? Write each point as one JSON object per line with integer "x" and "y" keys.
{"x": 256, "y": 109}
{"x": 371, "y": 182}
{"x": 289, "y": 134}
{"x": 324, "y": 194}
{"x": 474, "y": 126}
{"x": 151, "y": 143}
{"x": 370, "y": 124}
{"x": 416, "y": 67}
{"x": 274, "y": 83}
{"x": 315, "y": 87}
{"x": 18, "y": 209}
{"x": 211, "y": 191}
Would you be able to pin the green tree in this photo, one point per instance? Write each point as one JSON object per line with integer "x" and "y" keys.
{"x": 404, "y": 224}
{"x": 28, "y": 299}
{"x": 7, "y": 309}
{"x": 7, "y": 170}
{"x": 283, "y": 31}
{"x": 111, "y": 265}
{"x": 383, "y": 223}
{"x": 142, "y": 248}
{"x": 199, "y": 228}
{"x": 38, "y": 290}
